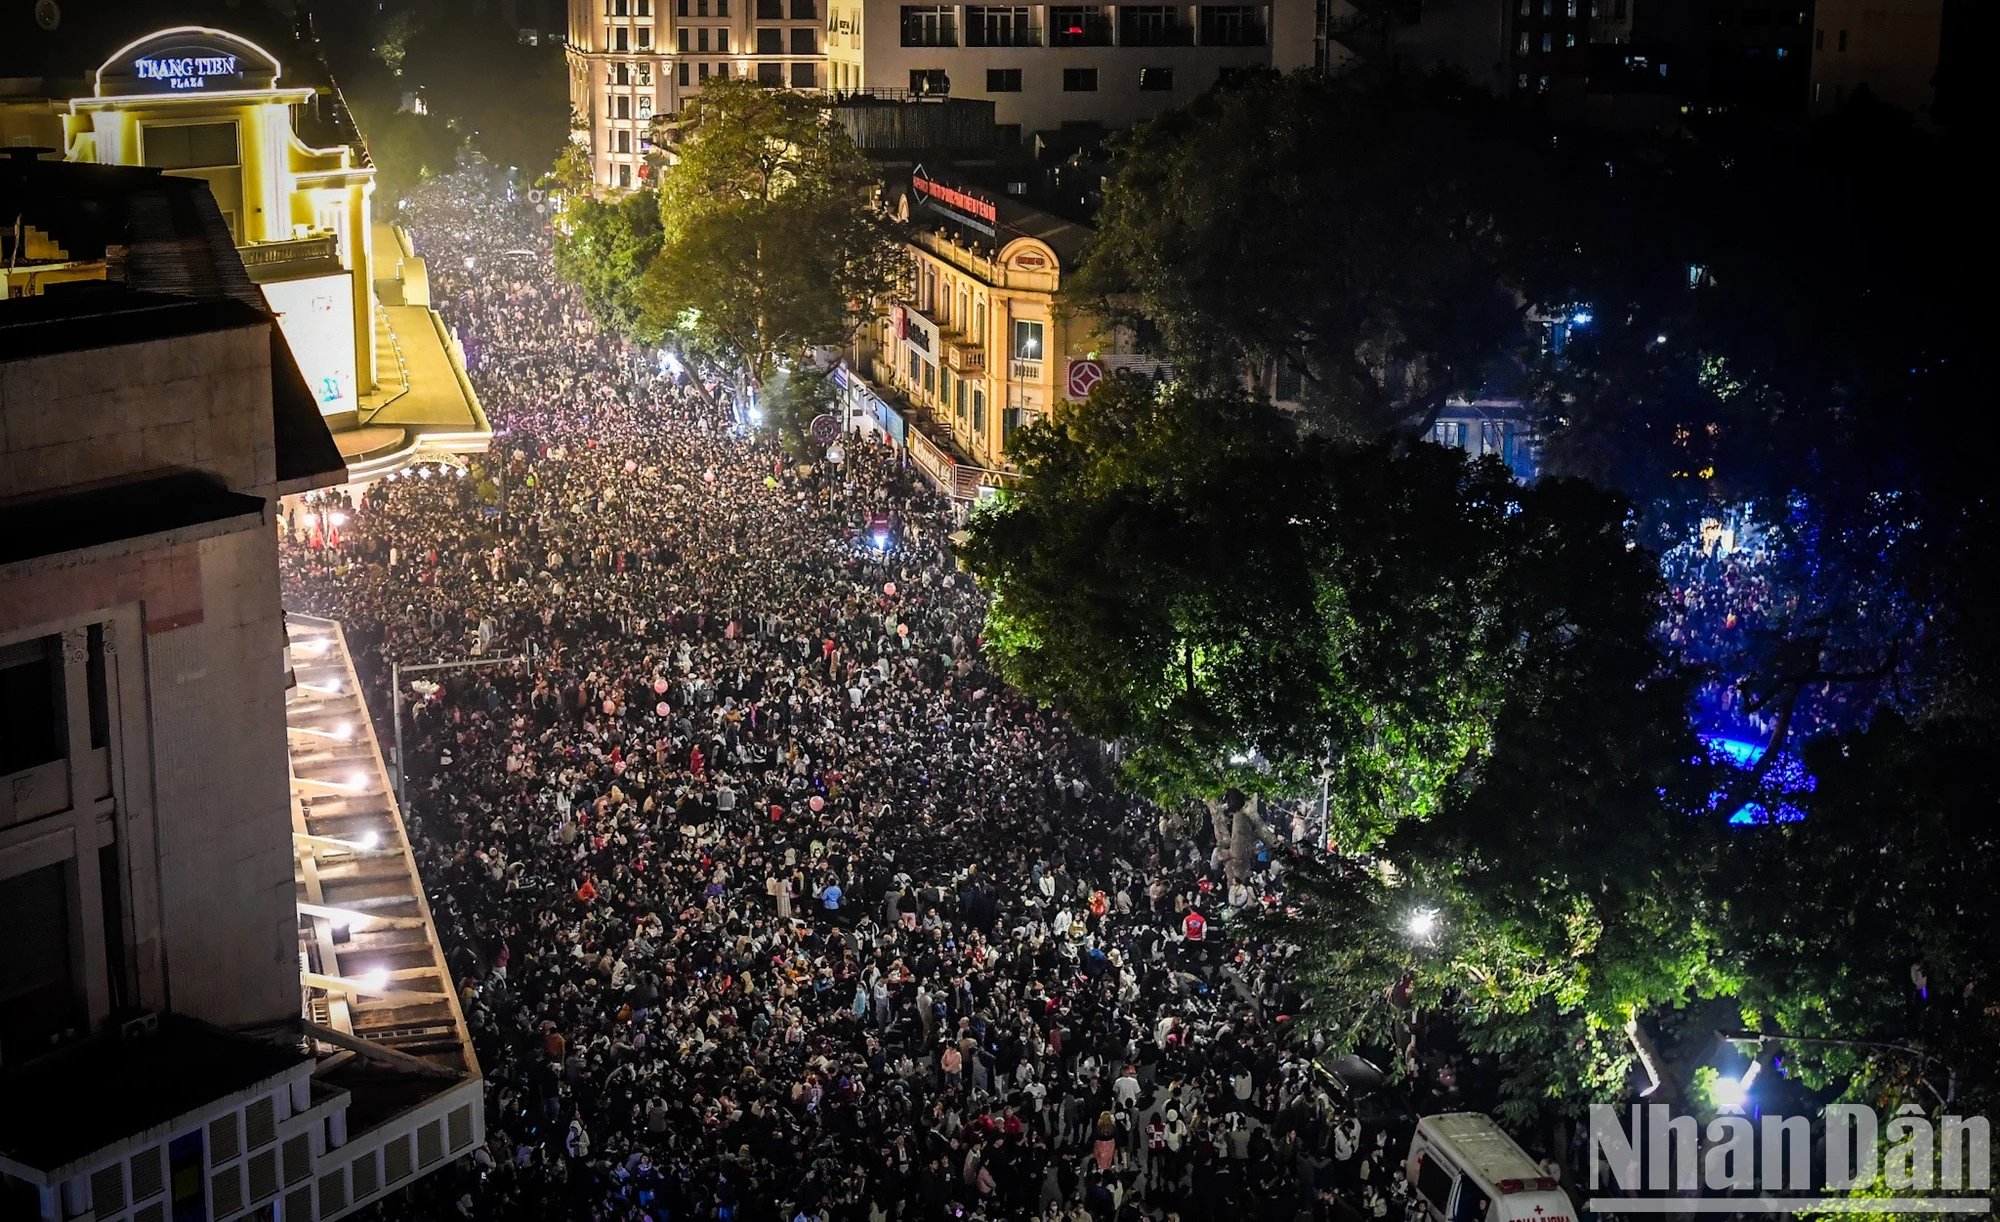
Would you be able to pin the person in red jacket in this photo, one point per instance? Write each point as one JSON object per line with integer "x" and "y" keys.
{"x": 1194, "y": 926}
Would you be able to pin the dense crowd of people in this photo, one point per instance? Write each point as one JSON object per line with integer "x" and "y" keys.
{"x": 764, "y": 897}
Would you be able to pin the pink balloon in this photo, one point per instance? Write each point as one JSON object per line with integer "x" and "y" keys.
{"x": 630, "y": 466}
{"x": 889, "y": 588}
{"x": 816, "y": 802}
{"x": 661, "y": 708}
{"x": 659, "y": 687}
{"x": 902, "y": 630}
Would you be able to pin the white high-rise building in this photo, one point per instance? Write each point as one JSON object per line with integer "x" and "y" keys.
{"x": 1041, "y": 65}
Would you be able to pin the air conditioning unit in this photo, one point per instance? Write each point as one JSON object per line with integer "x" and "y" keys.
{"x": 139, "y": 1027}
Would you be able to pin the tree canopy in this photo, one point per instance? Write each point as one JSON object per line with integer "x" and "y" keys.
{"x": 1344, "y": 228}
{"x": 773, "y": 239}
{"x": 604, "y": 247}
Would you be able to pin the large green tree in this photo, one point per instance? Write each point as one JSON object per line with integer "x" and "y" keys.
{"x": 604, "y": 247}
{"x": 1467, "y": 666}
{"x": 773, "y": 237}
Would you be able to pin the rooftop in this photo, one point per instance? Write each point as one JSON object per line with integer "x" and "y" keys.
{"x": 49, "y": 526}
{"x": 59, "y": 1108}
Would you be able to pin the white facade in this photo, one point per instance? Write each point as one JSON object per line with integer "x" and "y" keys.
{"x": 1041, "y": 65}
{"x": 1045, "y": 65}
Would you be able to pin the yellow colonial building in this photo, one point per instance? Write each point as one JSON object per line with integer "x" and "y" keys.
{"x": 258, "y": 120}
{"x": 976, "y": 342}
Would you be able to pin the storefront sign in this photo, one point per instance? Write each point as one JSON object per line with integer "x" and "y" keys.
{"x": 187, "y": 59}
{"x": 954, "y": 198}
{"x": 1083, "y": 375}
{"x": 936, "y": 465}
{"x": 188, "y": 71}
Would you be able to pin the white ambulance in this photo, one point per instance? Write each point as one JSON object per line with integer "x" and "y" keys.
{"x": 1464, "y": 1168}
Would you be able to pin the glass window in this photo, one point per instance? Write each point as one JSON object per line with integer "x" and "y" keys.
{"x": 625, "y": 176}
{"x": 770, "y": 41}
{"x": 1003, "y": 80}
{"x": 1151, "y": 25}
{"x": 805, "y": 10}
{"x": 1000, "y": 27}
{"x": 701, "y": 39}
{"x": 930, "y": 26}
{"x": 190, "y": 145}
{"x": 805, "y": 41}
{"x": 1027, "y": 338}
{"x": 1231, "y": 25}
{"x": 1156, "y": 80}
{"x": 684, "y": 73}
{"x": 38, "y": 993}
{"x": 722, "y": 8}
{"x": 805, "y": 76}
{"x": 964, "y": 398}
{"x": 1079, "y": 80}
{"x": 722, "y": 41}
{"x": 621, "y": 39}
{"x": 770, "y": 10}
{"x": 929, "y": 82}
{"x": 1079, "y": 26}
{"x": 930, "y": 379}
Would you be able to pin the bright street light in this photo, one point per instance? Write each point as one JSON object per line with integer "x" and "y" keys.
{"x": 1422, "y": 924}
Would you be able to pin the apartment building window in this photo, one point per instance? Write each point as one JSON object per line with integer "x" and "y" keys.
{"x": 618, "y": 8}
{"x": 1523, "y": 47}
{"x": 645, "y": 37}
{"x": 38, "y": 993}
{"x": 771, "y": 76}
{"x": 770, "y": 10}
{"x": 929, "y": 82}
{"x": 645, "y": 8}
{"x": 1231, "y": 25}
{"x": 683, "y": 38}
{"x": 1027, "y": 340}
{"x": 621, "y": 107}
{"x": 722, "y": 41}
{"x": 645, "y": 75}
{"x": 683, "y": 73}
{"x": 1548, "y": 43}
{"x": 1078, "y": 26}
{"x": 805, "y": 10}
{"x": 624, "y": 141}
{"x": 621, "y": 74}
{"x": 1001, "y": 27}
{"x": 1010, "y": 422}
{"x": 31, "y": 706}
{"x": 645, "y": 108}
{"x": 1843, "y": 40}
{"x": 1156, "y": 80}
{"x": 930, "y": 380}
{"x": 722, "y": 8}
{"x": 1079, "y": 80}
{"x": 930, "y": 26}
{"x": 805, "y": 76}
{"x": 681, "y": 7}
{"x": 1569, "y": 8}
{"x": 805, "y": 41}
{"x": 621, "y": 39}
{"x": 1151, "y": 25}
{"x": 625, "y": 177}
{"x": 770, "y": 41}
{"x": 978, "y": 413}
{"x": 701, "y": 41}
{"x": 1003, "y": 80}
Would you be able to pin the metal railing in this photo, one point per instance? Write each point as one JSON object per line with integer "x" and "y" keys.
{"x": 296, "y": 250}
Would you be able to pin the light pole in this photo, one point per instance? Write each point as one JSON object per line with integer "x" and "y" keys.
{"x": 396, "y": 672}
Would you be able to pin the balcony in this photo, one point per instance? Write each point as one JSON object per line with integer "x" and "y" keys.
{"x": 1079, "y": 27}
{"x": 1152, "y": 27}
{"x": 298, "y": 250}
{"x": 1024, "y": 371}
{"x": 964, "y": 357}
{"x": 1003, "y": 34}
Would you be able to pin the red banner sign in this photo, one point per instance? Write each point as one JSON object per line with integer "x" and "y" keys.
{"x": 952, "y": 197}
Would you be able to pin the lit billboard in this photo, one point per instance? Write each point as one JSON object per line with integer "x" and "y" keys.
{"x": 316, "y": 315}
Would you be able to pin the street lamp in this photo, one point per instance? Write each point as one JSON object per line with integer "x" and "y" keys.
{"x": 1422, "y": 924}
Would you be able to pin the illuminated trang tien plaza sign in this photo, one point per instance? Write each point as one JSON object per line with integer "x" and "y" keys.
{"x": 187, "y": 59}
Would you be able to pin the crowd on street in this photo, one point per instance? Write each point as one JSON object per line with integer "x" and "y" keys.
{"x": 764, "y": 898}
